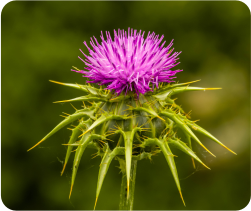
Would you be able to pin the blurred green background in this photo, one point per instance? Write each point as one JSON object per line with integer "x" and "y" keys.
{"x": 41, "y": 41}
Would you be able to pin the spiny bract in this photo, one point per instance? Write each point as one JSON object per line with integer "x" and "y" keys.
{"x": 127, "y": 120}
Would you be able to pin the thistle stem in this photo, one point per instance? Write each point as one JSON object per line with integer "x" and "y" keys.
{"x": 126, "y": 203}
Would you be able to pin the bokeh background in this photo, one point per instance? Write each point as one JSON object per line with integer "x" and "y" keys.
{"x": 41, "y": 41}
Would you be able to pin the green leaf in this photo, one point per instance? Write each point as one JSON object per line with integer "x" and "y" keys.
{"x": 163, "y": 95}
{"x": 83, "y": 143}
{"x": 147, "y": 108}
{"x": 183, "y": 147}
{"x": 75, "y": 133}
{"x": 204, "y": 132}
{"x": 178, "y": 90}
{"x": 104, "y": 166}
{"x": 171, "y": 86}
{"x": 85, "y": 88}
{"x": 182, "y": 125}
{"x": 104, "y": 118}
{"x": 188, "y": 138}
{"x": 128, "y": 140}
{"x": 170, "y": 160}
{"x": 182, "y": 84}
{"x": 69, "y": 119}
{"x": 84, "y": 98}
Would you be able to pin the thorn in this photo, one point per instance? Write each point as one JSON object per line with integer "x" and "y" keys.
{"x": 102, "y": 141}
{"x": 193, "y": 163}
{"x": 188, "y": 114}
{"x": 114, "y": 98}
{"x": 95, "y": 202}
{"x": 84, "y": 133}
{"x": 66, "y": 113}
{"x": 63, "y": 101}
{"x": 63, "y": 169}
{"x": 109, "y": 139}
{"x": 182, "y": 198}
{"x": 76, "y": 68}
{"x": 196, "y": 120}
{"x": 206, "y": 166}
{"x": 94, "y": 156}
{"x": 101, "y": 144}
{"x": 35, "y": 145}
{"x": 70, "y": 191}
{"x": 81, "y": 129}
{"x": 191, "y": 82}
{"x": 161, "y": 118}
{"x": 109, "y": 134}
{"x": 128, "y": 189}
{"x": 228, "y": 149}
{"x": 74, "y": 107}
{"x": 56, "y": 82}
{"x": 84, "y": 104}
{"x": 211, "y": 88}
{"x": 207, "y": 150}
{"x": 94, "y": 153}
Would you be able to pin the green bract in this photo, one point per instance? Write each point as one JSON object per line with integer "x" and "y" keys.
{"x": 129, "y": 129}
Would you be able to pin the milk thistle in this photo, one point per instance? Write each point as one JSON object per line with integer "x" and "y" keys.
{"x": 132, "y": 115}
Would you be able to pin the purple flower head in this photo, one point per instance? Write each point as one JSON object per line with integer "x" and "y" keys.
{"x": 130, "y": 62}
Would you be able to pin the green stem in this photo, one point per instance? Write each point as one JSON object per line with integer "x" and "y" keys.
{"x": 126, "y": 203}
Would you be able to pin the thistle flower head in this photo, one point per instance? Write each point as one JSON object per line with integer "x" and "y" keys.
{"x": 130, "y": 62}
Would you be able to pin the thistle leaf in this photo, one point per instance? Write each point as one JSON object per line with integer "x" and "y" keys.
{"x": 182, "y": 125}
{"x": 188, "y": 138}
{"x": 84, "y": 142}
{"x": 69, "y": 119}
{"x": 176, "y": 90}
{"x": 170, "y": 160}
{"x": 84, "y": 98}
{"x": 75, "y": 133}
{"x": 183, "y": 147}
{"x": 182, "y": 84}
{"x": 128, "y": 140}
{"x": 104, "y": 166}
{"x": 168, "y": 87}
{"x": 204, "y": 132}
{"x": 149, "y": 110}
{"x": 104, "y": 118}
{"x": 79, "y": 152}
{"x": 85, "y": 88}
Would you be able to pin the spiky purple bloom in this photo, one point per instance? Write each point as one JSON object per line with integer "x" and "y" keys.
{"x": 130, "y": 62}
